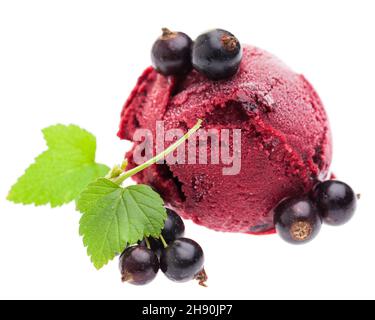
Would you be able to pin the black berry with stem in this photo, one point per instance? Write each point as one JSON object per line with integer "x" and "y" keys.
{"x": 217, "y": 54}
{"x": 171, "y": 53}
{"x": 183, "y": 260}
{"x": 154, "y": 244}
{"x": 336, "y": 202}
{"x": 139, "y": 265}
{"x": 297, "y": 220}
{"x": 174, "y": 227}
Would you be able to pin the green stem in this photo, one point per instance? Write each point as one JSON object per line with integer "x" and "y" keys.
{"x": 160, "y": 156}
{"x": 163, "y": 241}
{"x": 147, "y": 243}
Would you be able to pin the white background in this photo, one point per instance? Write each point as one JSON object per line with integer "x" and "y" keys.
{"x": 76, "y": 62}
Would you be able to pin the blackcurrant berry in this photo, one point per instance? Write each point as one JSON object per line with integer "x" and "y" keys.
{"x": 336, "y": 202}
{"x": 297, "y": 220}
{"x": 139, "y": 265}
{"x": 174, "y": 227}
{"x": 171, "y": 53}
{"x": 217, "y": 54}
{"x": 183, "y": 261}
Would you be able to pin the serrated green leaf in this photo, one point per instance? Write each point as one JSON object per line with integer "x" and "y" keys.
{"x": 114, "y": 217}
{"x": 59, "y": 174}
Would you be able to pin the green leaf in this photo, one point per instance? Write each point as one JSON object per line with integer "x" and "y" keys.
{"x": 114, "y": 217}
{"x": 59, "y": 174}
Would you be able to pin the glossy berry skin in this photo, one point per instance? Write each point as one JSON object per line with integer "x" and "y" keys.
{"x": 217, "y": 54}
{"x": 183, "y": 260}
{"x": 171, "y": 53}
{"x": 336, "y": 202}
{"x": 297, "y": 220}
{"x": 174, "y": 227}
{"x": 139, "y": 265}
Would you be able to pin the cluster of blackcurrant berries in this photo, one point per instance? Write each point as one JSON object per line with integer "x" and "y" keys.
{"x": 216, "y": 54}
{"x": 180, "y": 259}
{"x": 299, "y": 220}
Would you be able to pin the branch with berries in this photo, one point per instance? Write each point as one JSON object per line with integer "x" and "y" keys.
{"x": 115, "y": 219}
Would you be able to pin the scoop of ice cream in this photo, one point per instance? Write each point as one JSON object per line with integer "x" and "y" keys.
{"x": 286, "y": 140}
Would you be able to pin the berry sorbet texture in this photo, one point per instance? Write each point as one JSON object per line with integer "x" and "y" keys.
{"x": 286, "y": 140}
